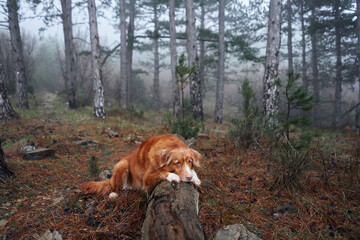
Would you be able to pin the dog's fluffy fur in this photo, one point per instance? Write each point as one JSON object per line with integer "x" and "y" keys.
{"x": 163, "y": 157}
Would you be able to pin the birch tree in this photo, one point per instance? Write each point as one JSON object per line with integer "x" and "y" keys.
{"x": 70, "y": 62}
{"x": 156, "y": 83}
{"x": 173, "y": 57}
{"x": 357, "y": 119}
{"x": 17, "y": 54}
{"x": 130, "y": 47}
{"x": 123, "y": 54}
{"x": 271, "y": 91}
{"x": 98, "y": 89}
{"x": 7, "y": 113}
{"x": 221, "y": 66}
{"x": 289, "y": 30}
{"x": 191, "y": 47}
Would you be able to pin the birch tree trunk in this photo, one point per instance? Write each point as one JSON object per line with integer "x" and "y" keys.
{"x": 314, "y": 66}
{"x": 221, "y": 66}
{"x": 71, "y": 86}
{"x": 202, "y": 48}
{"x": 289, "y": 30}
{"x": 17, "y": 54}
{"x": 130, "y": 47}
{"x": 271, "y": 91}
{"x": 357, "y": 118}
{"x": 191, "y": 47}
{"x": 305, "y": 82}
{"x": 173, "y": 57}
{"x": 98, "y": 89}
{"x": 123, "y": 61}
{"x": 7, "y": 113}
{"x": 156, "y": 86}
{"x": 338, "y": 79}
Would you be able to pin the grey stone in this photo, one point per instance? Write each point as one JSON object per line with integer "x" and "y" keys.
{"x": 39, "y": 153}
{"x": 50, "y": 235}
{"x": 235, "y": 232}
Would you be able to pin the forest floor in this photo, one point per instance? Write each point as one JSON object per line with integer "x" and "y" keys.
{"x": 237, "y": 185}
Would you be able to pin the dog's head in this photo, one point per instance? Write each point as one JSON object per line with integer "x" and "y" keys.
{"x": 179, "y": 161}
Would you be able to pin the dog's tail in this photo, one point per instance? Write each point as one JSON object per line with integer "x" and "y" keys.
{"x": 101, "y": 188}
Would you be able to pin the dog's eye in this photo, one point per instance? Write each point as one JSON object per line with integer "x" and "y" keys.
{"x": 178, "y": 163}
{"x": 190, "y": 161}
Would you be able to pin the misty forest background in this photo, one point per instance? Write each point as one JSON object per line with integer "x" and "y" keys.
{"x": 319, "y": 40}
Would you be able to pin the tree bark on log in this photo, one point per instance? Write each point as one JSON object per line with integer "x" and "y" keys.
{"x": 172, "y": 213}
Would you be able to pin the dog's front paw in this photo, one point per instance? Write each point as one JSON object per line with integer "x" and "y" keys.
{"x": 195, "y": 178}
{"x": 173, "y": 177}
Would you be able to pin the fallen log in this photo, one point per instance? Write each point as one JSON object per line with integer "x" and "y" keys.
{"x": 172, "y": 213}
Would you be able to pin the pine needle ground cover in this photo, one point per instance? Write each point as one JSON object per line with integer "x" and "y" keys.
{"x": 237, "y": 186}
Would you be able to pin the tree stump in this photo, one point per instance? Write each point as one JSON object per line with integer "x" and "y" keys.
{"x": 5, "y": 173}
{"x": 172, "y": 213}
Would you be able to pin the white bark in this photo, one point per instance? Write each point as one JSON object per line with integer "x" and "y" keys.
{"x": 123, "y": 61}
{"x": 191, "y": 47}
{"x": 98, "y": 89}
{"x": 17, "y": 54}
{"x": 271, "y": 91}
{"x": 156, "y": 84}
{"x": 70, "y": 63}
{"x": 221, "y": 66}
{"x": 357, "y": 118}
{"x": 173, "y": 57}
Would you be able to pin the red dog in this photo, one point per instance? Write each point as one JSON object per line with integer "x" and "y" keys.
{"x": 159, "y": 158}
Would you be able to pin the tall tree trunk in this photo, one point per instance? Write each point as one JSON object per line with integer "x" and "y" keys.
{"x": 338, "y": 79}
{"x": 98, "y": 89}
{"x": 191, "y": 47}
{"x": 221, "y": 66}
{"x": 123, "y": 61}
{"x": 305, "y": 82}
{"x": 71, "y": 86}
{"x": 156, "y": 86}
{"x": 271, "y": 91}
{"x": 17, "y": 54}
{"x": 7, "y": 113}
{"x": 202, "y": 49}
{"x": 173, "y": 57}
{"x": 314, "y": 66}
{"x": 130, "y": 47}
{"x": 289, "y": 30}
{"x": 5, "y": 173}
{"x": 357, "y": 116}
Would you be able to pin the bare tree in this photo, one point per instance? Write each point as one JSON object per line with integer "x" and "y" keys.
{"x": 357, "y": 120}
{"x": 70, "y": 62}
{"x": 7, "y": 113}
{"x": 123, "y": 60}
{"x": 271, "y": 91}
{"x": 338, "y": 78}
{"x": 305, "y": 82}
{"x": 130, "y": 46}
{"x": 98, "y": 89}
{"x": 173, "y": 57}
{"x": 221, "y": 67}
{"x": 156, "y": 83}
{"x": 17, "y": 54}
{"x": 314, "y": 66}
{"x": 191, "y": 47}
{"x": 289, "y": 30}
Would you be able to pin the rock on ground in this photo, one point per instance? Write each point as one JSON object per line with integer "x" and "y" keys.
{"x": 235, "y": 232}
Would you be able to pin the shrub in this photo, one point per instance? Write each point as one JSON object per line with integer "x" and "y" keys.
{"x": 245, "y": 131}
{"x": 187, "y": 127}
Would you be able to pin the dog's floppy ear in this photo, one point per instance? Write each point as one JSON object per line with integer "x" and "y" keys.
{"x": 164, "y": 158}
{"x": 196, "y": 158}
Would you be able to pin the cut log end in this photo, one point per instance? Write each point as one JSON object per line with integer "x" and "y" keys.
{"x": 172, "y": 213}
